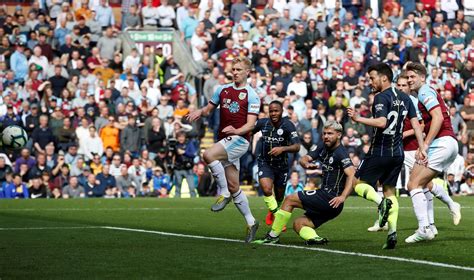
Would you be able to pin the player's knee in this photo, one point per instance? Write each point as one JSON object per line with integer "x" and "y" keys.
{"x": 208, "y": 157}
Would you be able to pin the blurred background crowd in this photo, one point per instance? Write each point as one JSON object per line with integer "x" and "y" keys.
{"x": 105, "y": 124}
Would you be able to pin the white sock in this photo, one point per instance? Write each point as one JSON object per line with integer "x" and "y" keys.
{"x": 420, "y": 207}
{"x": 442, "y": 195}
{"x": 242, "y": 203}
{"x": 218, "y": 172}
{"x": 429, "y": 201}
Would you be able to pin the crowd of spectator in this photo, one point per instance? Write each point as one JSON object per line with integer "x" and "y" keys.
{"x": 101, "y": 124}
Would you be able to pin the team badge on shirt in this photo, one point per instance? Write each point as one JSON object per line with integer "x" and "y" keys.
{"x": 331, "y": 160}
{"x": 280, "y": 131}
{"x": 242, "y": 95}
{"x": 234, "y": 107}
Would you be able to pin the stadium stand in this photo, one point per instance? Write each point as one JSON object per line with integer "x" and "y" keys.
{"x": 102, "y": 88}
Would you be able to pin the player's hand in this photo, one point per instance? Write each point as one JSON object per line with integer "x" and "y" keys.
{"x": 276, "y": 151}
{"x": 421, "y": 157}
{"x": 194, "y": 115}
{"x": 230, "y": 130}
{"x": 338, "y": 200}
{"x": 352, "y": 114}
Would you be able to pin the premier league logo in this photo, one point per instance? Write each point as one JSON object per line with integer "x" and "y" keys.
{"x": 234, "y": 107}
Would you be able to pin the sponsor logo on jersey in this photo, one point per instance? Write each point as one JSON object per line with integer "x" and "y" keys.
{"x": 294, "y": 134}
{"x": 255, "y": 107}
{"x": 378, "y": 107}
{"x": 313, "y": 148}
{"x": 273, "y": 139}
{"x": 346, "y": 161}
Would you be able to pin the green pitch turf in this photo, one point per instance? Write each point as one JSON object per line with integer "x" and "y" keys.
{"x": 67, "y": 239}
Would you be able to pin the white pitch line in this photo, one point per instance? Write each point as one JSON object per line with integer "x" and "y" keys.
{"x": 399, "y": 259}
{"x": 173, "y": 209}
{"x": 46, "y": 228}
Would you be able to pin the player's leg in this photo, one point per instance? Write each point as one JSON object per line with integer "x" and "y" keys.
{"x": 440, "y": 192}
{"x": 241, "y": 201}
{"x": 368, "y": 174}
{"x": 305, "y": 228}
{"x": 282, "y": 216}
{"x": 213, "y": 157}
{"x": 388, "y": 210}
{"x": 265, "y": 179}
{"x": 420, "y": 176}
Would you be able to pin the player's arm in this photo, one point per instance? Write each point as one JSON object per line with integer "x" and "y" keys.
{"x": 428, "y": 97}
{"x": 436, "y": 123}
{"x": 202, "y": 112}
{"x": 294, "y": 140}
{"x": 350, "y": 173}
{"x": 246, "y": 128}
{"x": 380, "y": 115}
{"x": 306, "y": 161}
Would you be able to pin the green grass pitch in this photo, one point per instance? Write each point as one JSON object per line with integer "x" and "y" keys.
{"x": 59, "y": 239}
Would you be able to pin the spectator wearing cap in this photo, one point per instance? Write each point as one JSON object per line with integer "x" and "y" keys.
{"x": 161, "y": 182}
{"x": 10, "y": 118}
{"x": 19, "y": 63}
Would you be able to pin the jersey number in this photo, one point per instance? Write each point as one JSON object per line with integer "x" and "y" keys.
{"x": 393, "y": 119}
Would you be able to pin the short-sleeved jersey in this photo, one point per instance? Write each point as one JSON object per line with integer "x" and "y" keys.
{"x": 429, "y": 99}
{"x": 235, "y": 104}
{"x": 333, "y": 163}
{"x": 395, "y": 106}
{"x": 410, "y": 143}
{"x": 283, "y": 135}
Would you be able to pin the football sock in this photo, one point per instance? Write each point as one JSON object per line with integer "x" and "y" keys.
{"x": 219, "y": 173}
{"x": 393, "y": 215}
{"x": 271, "y": 203}
{"x": 242, "y": 203}
{"x": 367, "y": 191}
{"x": 420, "y": 207}
{"x": 442, "y": 195}
{"x": 308, "y": 233}
{"x": 429, "y": 202}
{"x": 281, "y": 219}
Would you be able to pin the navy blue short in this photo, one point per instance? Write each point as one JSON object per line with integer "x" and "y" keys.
{"x": 384, "y": 170}
{"x": 316, "y": 205}
{"x": 279, "y": 175}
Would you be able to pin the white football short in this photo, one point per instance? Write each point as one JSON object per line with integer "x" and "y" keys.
{"x": 409, "y": 160}
{"x": 442, "y": 153}
{"x": 235, "y": 146}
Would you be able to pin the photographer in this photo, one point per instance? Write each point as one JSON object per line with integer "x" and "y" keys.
{"x": 183, "y": 157}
